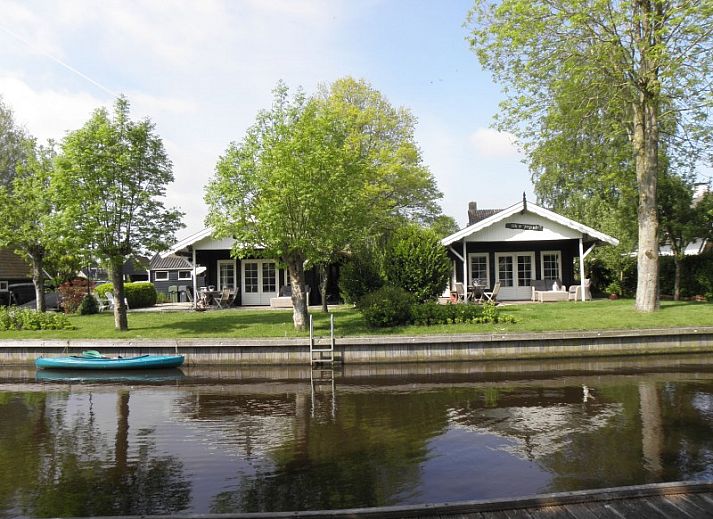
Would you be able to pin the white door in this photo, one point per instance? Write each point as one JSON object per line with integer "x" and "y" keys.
{"x": 259, "y": 282}
{"x": 226, "y": 274}
{"x": 515, "y": 272}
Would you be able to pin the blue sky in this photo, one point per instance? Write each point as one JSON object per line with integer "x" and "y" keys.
{"x": 201, "y": 70}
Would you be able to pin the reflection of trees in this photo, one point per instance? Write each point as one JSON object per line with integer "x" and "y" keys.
{"x": 22, "y": 418}
{"x": 688, "y": 430}
{"x": 367, "y": 455}
{"x": 70, "y": 474}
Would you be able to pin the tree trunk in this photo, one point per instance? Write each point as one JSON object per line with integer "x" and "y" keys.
{"x": 121, "y": 323}
{"x": 323, "y": 281}
{"x": 678, "y": 262}
{"x": 38, "y": 279}
{"x": 300, "y": 314}
{"x": 646, "y": 146}
{"x": 646, "y": 141}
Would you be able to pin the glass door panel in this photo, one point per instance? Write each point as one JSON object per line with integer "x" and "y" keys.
{"x": 505, "y": 271}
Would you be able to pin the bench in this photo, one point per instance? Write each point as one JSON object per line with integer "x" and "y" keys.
{"x": 548, "y": 290}
{"x": 284, "y": 299}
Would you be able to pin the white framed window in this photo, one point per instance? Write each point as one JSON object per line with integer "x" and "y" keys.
{"x": 479, "y": 268}
{"x": 161, "y": 275}
{"x": 185, "y": 274}
{"x": 551, "y": 267}
{"x": 3, "y": 286}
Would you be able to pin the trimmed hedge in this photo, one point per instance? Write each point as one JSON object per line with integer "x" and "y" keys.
{"x": 393, "y": 306}
{"x": 429, "y": 314}
{"x": 388, "y": 306}
{"x": 141, "y": 294}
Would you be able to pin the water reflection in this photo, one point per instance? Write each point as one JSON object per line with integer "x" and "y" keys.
{"x": 270, "y": 439}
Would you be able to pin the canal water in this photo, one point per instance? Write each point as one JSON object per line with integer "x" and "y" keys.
{"x": 230, "y": 439}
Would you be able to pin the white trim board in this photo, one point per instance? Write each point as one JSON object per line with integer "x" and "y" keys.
{"x": 524, "y": 209}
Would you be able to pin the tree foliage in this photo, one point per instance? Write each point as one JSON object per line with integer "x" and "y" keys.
{"x": 317, "y": 176}
{"x": 628, "y": 71}
{"x": 31, "y": 222}
{"x": 12, "y": 144}
{"x": 416, "y": 261}
{"x": 113, "y": 177}
{"x": 683, "y": 220}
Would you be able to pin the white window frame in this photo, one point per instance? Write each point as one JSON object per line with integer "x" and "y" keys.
{"x": 487, "y": 267}
{"x": 184, "y": 276}
{"x": 159, "y": 275}
{"x": 559, "y": 262}
{"x": 4, "y": 286}
{"x": 233, "y": 263}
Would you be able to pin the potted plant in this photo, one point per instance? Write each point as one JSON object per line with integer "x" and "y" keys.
{"x": 614, "y": 290}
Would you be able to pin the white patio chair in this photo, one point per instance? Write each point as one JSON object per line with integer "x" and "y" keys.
{"x": 492, "y": 296}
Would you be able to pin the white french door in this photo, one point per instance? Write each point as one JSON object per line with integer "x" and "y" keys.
{"x": 259, "y": 281}
{"x": 226, "y": 274}
{"x": 515, "y": 271}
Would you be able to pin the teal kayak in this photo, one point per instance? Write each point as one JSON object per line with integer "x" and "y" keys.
{"x": 94, "y": 360}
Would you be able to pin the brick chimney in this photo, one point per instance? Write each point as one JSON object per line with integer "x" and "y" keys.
{"x": 472, "y": 212}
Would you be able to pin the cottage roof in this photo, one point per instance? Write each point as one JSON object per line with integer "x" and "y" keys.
{"x": 170, "y": 263}
{"x": 588, "y": 234}
{"x": 13, "y": 266}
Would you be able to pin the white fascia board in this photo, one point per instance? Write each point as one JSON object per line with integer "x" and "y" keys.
{"x": 482, "y": 224}
{"x": 535, "y": 209}
{"x": 193, "y": 238}
{"x": 562, "y": 220}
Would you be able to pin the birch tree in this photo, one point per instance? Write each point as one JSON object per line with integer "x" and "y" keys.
{"x": 648, "y": 60}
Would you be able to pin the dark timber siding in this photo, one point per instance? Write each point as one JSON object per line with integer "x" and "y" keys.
{"x": 569, "y": 250}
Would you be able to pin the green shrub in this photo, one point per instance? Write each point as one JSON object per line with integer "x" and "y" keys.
{"x": 429, "y": 314}
{"x": 88, "y": 306}
{"x": 13, "y": 318}
{"x": 358, "y": 277}
{"x": 388, "y": 306}
{"x": 416, "y": 261}
{"x": 102, "y": 289}
{"x": 140, "y": 294}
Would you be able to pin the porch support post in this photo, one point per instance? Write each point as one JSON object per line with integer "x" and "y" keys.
{"x": 195, "y": 282}
{"x": 465, "y": 267}
{"x": 581, "y": 269}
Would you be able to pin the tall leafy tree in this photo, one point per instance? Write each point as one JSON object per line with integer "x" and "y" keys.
{"x": 316, "y": 176}
{"x": 642, "y": 59}
{"x": 31, "y": 224}
{"x": 113, "y": 174}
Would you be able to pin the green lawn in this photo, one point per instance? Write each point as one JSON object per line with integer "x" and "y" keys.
{"x": 239, "y": 323}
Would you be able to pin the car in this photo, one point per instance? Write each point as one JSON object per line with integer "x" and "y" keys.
{"x": 23, "y": 295}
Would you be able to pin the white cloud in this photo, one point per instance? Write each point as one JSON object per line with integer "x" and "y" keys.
{"x": 27, "y": 30}
{"x": 46, "y": 113}
{"x": 494, "y": 144}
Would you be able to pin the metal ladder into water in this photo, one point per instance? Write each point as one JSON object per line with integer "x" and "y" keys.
{"x": 322, "y": 361}
{"x": 319, "y": 354}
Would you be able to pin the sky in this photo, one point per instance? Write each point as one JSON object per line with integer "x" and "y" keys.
{"x": 202, "y": 69}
